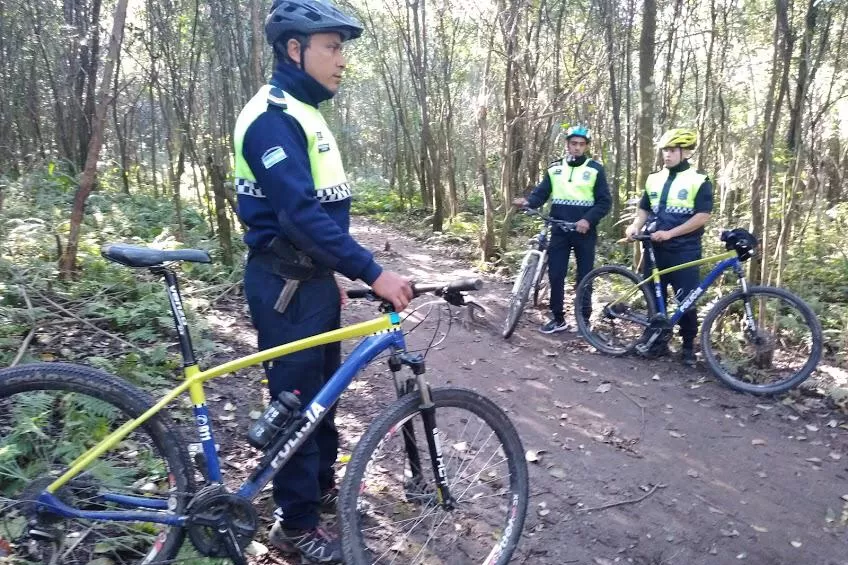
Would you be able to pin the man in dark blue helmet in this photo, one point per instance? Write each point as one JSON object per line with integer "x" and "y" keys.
{"x": 578, "y": 187}
{"x": 294, "y": 197}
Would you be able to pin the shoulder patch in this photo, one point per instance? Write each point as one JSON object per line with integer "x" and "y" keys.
{"x": 273, "y": 156}
{"x": 277, "y": 98}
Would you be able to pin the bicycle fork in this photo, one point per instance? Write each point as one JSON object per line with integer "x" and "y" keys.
{"x": 416, "y": 488}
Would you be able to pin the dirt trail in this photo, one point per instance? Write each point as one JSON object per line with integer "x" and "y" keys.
{"x": 640, "y": 461}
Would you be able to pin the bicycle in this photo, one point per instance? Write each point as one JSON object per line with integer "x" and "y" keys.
{"x": 92, "y": 467}
{"x": 532, "y": 273}
{"x": 757, "y": 339}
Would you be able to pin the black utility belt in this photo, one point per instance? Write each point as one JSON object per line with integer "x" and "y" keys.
{"x": 283, "y": 259}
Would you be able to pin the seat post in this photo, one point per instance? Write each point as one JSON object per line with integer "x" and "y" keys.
{"x": 176, "y": 301}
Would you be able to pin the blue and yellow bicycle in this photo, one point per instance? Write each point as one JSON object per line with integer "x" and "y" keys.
{"x": 94, "y": 470}
{"x": 756, "y": 339}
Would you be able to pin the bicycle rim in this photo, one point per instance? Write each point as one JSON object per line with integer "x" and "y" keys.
{"x": 392, "y": 510}
{"x": 770, "y": 352}
{"x": 44, "y": 426}
{"x": 610, "y": 320}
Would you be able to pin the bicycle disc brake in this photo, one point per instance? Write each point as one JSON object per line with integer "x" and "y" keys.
{"x": 221, "y": 524}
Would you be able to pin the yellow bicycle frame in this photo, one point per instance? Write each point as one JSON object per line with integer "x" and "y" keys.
{"x": 194, "y": 379}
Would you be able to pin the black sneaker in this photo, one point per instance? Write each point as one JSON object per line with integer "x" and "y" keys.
{"x": 315, "y": 545}
{"x": 329, "y": 501}
{"x": 687, "y": 356}
{"x": 554, "y": 326}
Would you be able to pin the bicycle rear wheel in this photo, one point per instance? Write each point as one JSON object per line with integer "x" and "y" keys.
{"x": 609, "y": 318}
{"x": 390, "y": 515}
{"x": 771, "y": 350}
{"x": 50, "y": 413}
{"x": 518, "y": 300}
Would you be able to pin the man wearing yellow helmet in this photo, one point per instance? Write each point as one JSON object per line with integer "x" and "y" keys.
{"x": 680, "y": 199}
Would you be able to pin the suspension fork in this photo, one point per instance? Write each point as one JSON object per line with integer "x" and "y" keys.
{"x": 751, "y": 328}
{"x": 431, "y": 429}
{"x": 402, "y": 388}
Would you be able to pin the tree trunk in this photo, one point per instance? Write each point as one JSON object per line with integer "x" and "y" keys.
{"x": 67, "y": 263}
{"x": 647, "y": 91}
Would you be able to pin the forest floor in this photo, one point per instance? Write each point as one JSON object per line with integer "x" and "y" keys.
{"x": 642, "y": 462}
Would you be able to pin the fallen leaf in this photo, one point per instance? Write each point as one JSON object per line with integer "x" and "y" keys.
{"x": 814, "y": 460}
{"x": 760, "y": 529}
{"x": 544, "y": 512}
{"x": 559, "y": 404}
{"x": 227, "y": 417}
{"x": 693, "y": 473}
{"x": 834, "y": 455}
{"x": 655, "y": 378}
{"x": 758, "y": 442}
{"x": 832, "y": 424}
{"x": 534, "y": 455}
{"x": 812, "y": 428}
{"x": 461, "y": 446}
{"x": 672, "y": 433}
{"x": 255, "y": 414}
{"x": 557, "y": 472}
{"x": 606, "y": 387}
{"x": 229, "y": 407}
{"x": 547, "y": 353}
{"x": 256, "y": 548}
{"x": 729, "y": 533}
{"x": 796, "y": 544}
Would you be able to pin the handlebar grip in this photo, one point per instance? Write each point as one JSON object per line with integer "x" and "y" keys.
{"x": 358, "y": 292}
{"x": 465, "y": 284}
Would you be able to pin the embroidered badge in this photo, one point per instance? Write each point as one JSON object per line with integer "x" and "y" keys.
{"x": 319, "y": 136}
{"x": 683, "y": 194}
{"x": 557, "y": 171}
{"x": 273, "y": 156}
{"x": 323, "y": 148}
{"x": 587, "y": 175}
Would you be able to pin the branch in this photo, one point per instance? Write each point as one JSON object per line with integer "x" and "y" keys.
{"x": 623, "y": 502}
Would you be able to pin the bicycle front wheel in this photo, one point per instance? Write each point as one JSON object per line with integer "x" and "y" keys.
{"x": 388, "y": 507}
{"x": 611, "y": 313}
{"x": 541, "y": 288}
{"x": 518, "y": 300}
{"x": 764, "y": 341}
{"x": 50, "y": 413}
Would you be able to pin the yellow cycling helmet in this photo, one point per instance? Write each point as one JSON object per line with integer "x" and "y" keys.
{"x": 684, "y": 138}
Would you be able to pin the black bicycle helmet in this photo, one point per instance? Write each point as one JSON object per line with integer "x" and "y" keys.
{"x": 740, "y": 240}
{"x": 305, "y": 17}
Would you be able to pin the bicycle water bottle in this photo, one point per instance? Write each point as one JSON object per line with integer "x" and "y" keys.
{"x": 273, "y": 419}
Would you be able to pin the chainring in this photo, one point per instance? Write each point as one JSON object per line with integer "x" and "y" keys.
{"x": 212, "y": 510}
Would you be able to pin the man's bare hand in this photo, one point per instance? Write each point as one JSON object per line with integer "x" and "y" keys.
{"x": 394, "y": 288}
{"x": 631, "y": 231}
{"x": 582, "y": 226}
{"x": 660, "y": 236}
{"x": 519, "y": 202}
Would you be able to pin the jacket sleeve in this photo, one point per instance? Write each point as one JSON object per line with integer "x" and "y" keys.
{"x": 541, "y": 193}
{"x": 290, "y": 191}
{"x": 603, "y": 200}
{"x": 704, "y": 198}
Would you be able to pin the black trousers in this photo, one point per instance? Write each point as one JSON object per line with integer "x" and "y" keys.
{"x": 315, "y": 308}
{"x": 683, "y": 282}
{"x": 559, "y": 253}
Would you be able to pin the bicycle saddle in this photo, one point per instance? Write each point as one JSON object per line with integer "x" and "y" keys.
{"x": 138, "y": 256}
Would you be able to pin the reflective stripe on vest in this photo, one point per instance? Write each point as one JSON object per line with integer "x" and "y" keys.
{"x": 573, "y": 186}
{"x": 325, "y": 161}
{"x": 681, "y": 193}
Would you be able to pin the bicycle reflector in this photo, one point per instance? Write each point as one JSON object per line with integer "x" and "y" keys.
{"x": 740, "y": 240}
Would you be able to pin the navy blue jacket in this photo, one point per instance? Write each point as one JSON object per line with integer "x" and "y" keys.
{"x": 689, "y": 245}
{"x": 290, "y": 209}
{"x": 592, "y": 214}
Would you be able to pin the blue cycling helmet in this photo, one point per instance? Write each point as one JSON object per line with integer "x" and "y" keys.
{"x": 579, "y": 131}
{"x": 287, "y": 18}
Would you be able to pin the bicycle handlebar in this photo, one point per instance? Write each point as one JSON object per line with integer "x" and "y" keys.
{"x": 562, "y": 224}
{"x": 439, "y": 289}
